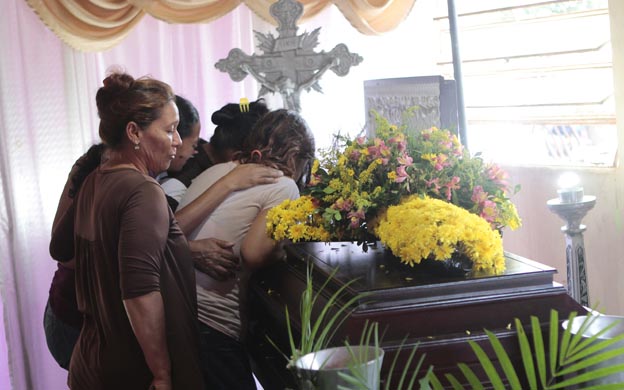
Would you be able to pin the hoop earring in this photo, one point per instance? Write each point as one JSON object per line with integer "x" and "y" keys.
{"x": 256, "y": 153}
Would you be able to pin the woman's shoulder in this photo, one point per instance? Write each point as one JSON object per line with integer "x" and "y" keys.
{"x": 214, "y": 172}
{"x": 125, "y": 182}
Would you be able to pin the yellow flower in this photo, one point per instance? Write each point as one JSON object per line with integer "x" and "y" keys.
{"x": 428, "y": 156}
{"x": 315, "y": 166}
{"x": 421, "y": 228}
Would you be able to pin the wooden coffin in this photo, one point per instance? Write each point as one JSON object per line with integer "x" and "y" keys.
{"x": 438, "y": 312}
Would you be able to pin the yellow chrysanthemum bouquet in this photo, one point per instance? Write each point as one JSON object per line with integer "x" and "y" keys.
{"x": 426, "y": 228}
{"x": 354, "y": 185}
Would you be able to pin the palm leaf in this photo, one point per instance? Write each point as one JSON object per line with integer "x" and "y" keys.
{"x": 572, "y": 359}
{"x": 589, "y": 375}
{"x": 593, "y": 360}
{"x": 424, "y": 383}
{"x": 487, "y": 365}
{"x": 527, "y": 355}
{"x": 565, "y": 341}
{"x": 454, "y": 382}
{"x": 393, "y": 364}
{"x": 553, "y": 341}
{"x": 504, "y": 361}
{"x": 471, "y": 377}
{"x": 433, "y": 379}
{"x": 538, "y": 345}
{"x": 408, "y": 364}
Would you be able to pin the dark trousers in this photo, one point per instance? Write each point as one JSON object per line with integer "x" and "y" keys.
{"x": 60, "y": 337}
{"x": 224, "y": 361}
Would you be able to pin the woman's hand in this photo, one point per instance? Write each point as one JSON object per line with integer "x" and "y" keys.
{"x": 249, "y": 175}
{"x": 215, "y": 258}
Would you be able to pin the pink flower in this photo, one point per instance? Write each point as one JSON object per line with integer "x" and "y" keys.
{"x": 360, "y": 140}
{"x": 453, "y": 184}
{"x": 343, "y": 205}
{"x": 478, "y": 195}
{"x": 399, "y": 141}
{"x": 497, "y": 175}
{"x": 440, "y": 162}
{"x": 489, "y": 212}
{"x": 448, "y": 145}
{"x": 405, "y": 160}
{"x": 355, "y": 155}
{"x": 435, "y": 183}
{"x": 356, "y": 217}
{"x": 401, "y": 174}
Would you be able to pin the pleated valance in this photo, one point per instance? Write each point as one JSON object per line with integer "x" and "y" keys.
{"x": 96, "y": 25}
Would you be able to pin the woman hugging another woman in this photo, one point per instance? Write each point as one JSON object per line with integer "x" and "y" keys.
{"x": 281, "y": 140}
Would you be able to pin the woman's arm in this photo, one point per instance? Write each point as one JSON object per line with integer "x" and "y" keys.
{"x": 147, "y": 317}
{"x": 241, "y": 177}
{"x": 258, "y": 249}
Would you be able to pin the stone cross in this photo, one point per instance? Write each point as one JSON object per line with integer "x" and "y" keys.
{"x": 288, "y": 63}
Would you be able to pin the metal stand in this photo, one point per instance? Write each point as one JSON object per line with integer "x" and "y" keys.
{"x": 457, "y": 70}
{"x": 573, "y": 213}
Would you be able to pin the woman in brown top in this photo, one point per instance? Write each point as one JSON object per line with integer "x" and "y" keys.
{"x": 134, "y": 275}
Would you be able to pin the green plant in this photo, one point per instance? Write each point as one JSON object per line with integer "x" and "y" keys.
{"x": 408, "y": 376}
{"x": 316, "y": 333}
{"x": 566, "y": 361}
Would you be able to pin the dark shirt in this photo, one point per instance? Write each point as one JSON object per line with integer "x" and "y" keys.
{"x": 128, "y": 244}
{"x": 63, "y": 297}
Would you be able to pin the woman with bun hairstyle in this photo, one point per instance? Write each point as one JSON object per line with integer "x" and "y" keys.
{"x": 281, "y": 140}
{"x": 211, "y": 255}
{"x": 135, "y": 284}
{"x": 232, "y": 128}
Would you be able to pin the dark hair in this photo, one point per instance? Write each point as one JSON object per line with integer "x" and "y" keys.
{"x": 282, "y": 137}
{"x": 233, "y": 125}
{"x": 188, "y": 116}
{"x": 123, "y": 99}
{"x": 85, "y": 165}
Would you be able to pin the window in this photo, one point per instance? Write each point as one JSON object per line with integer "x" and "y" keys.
{"x": 537, "y": 75}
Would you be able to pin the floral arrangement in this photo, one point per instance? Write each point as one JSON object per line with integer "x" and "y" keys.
{"x": 353, "y": 185}
{"x": 443, "y": 229}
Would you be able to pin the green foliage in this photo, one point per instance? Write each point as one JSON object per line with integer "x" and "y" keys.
{"x": 407, "y": 379}
{"x": 316, "y": 333}
{"x": 567, "y": 361}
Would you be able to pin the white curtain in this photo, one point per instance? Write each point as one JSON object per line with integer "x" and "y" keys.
{"x": 48, "y": 119}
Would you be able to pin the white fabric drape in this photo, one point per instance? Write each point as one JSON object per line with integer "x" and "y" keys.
{"x": 94, "y": 26}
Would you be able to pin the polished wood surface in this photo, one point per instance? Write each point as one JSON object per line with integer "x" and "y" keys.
{"x": 437, "y": 312}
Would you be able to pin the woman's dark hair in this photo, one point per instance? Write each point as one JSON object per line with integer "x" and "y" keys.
{"x": 283, "y": 141}
{"x": 189, "y": 116}
{"x": 85, "y": 165}
{"x": 123, "y": 99}
{"x": 233, "y": 125}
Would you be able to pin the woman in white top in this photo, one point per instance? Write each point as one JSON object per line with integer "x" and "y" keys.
{"x": 281, "y": 139}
